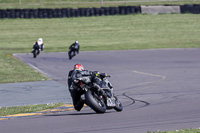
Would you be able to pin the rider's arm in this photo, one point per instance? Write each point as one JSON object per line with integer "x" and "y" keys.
{"x": 70, "y": 74}
{"x": 70, "y": 46}
{"x": 80, "y": 74}
{"x": 86, "y": 73}
{"x": 84, "y": 76}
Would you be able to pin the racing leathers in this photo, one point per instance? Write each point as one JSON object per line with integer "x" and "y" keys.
{"x": 38, "y": 46}
{"x": 87, "y": 77}
{"x": 75, "y": 47}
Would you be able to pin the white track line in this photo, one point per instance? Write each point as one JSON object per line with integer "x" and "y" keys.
{"x": 163, "y": 77}
{"x": 37, "y": 69}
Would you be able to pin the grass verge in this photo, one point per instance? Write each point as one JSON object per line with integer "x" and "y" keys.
{"x": 180, "y": 131}
{"x": 5, "y": 111}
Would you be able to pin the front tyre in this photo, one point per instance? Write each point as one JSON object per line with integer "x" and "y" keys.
{"x": 34, "y": 53}
{"x": 71, "y": 54}
{"x": 118, "y": 107}
{"x": 95, "y": 102}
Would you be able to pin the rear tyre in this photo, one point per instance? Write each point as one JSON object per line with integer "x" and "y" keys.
{"x": 94, "y": 102}
{"x": 118, "y": 107}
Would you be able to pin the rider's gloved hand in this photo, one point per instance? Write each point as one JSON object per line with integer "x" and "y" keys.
{"x": 107, "y": 75}
{"x": 103, "y": 75}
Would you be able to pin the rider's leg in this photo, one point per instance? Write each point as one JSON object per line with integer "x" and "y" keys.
{"x": 78, "y": 102}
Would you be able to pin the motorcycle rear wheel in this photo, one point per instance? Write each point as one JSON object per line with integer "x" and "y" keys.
{"x": 94, "y": 102}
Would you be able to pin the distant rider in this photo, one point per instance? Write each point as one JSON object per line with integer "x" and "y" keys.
{"x": 39, "y": 44}
{"x": 75, "y": 47}
{"x": 88, "y": 77}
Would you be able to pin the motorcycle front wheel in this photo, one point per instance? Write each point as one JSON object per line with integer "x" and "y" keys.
{"x": 94, "y": 102}
{"x": 118, "y": 107}
{"x": 71, "y": 54}
{"x": 34, "y": 53}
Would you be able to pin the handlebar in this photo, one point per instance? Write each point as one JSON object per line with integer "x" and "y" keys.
{"x": 103, "y": 75}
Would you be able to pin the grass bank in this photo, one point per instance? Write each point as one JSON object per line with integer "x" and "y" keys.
{"x": 180, "y": 131}
{"x": 5, "y": 111}
{"x": 4, "y": 4}
{"x": 93, "y": 33}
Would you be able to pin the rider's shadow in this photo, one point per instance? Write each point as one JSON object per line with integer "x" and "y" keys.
{"x": 78, "y": 113}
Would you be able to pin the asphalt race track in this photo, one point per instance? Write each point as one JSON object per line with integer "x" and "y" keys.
{"x": 159, "y": 89}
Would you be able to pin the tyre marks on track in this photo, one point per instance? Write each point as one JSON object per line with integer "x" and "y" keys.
{"x": 133, "y": 100}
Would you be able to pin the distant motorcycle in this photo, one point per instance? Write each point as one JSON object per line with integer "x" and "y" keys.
{"x": 73, "y": 50}
{"x": 98, "y": 102}
{"x": 36, "y": 51}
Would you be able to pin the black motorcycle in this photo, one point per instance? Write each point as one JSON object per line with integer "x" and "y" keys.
{"x": 73, "y": 50}
{"x": 36, "y": 51}
{"x": 98, "y": 102}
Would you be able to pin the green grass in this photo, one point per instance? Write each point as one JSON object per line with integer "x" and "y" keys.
{"x": 13, "y": 70}
{"x": 5, "y": 111}
{"x": 93, "y": 33}
{"x": 180, "y": 131}
{"x": 86, "y": 3}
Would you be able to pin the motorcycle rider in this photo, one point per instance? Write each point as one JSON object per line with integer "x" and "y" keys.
{"x": 75, "y": 47}
{"x": 88, "y": 77}
{"x": 39, "y": 44}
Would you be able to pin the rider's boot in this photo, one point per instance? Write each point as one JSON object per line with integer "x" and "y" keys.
{"x": 79, "y": 105}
